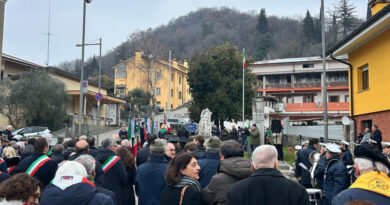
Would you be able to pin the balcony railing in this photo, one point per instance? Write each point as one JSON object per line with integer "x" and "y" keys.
{"x": 337, "y": 84}
{"x": 308, "y": 85}
{"x": 300, "y": 85}
{"x": 277, "y": 85}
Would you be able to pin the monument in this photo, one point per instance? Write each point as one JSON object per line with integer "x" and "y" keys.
{"x": 205, "y": 123}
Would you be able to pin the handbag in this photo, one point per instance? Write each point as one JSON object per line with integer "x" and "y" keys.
{"x": 182, "y": 194}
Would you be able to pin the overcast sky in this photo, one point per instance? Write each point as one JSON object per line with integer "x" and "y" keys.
{"x": 26, "y": 21}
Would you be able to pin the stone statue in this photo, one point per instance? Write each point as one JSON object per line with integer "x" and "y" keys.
{"x": 205, "y": 123}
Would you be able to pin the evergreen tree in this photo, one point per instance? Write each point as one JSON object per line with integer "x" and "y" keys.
{"x": 347, "y": 19}
{"x": 308, "y": 27}
{"x": 262, "y": 22}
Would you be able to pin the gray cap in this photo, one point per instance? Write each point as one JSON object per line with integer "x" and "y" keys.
{"x": 333, "y": 148}
{"x": 213, "y": 142}
{"x": 157, "y": 146}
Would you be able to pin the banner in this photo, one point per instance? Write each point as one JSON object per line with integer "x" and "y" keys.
{"x": 132, "y": 129}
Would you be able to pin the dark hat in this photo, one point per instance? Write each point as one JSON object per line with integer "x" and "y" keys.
{"x": 24, "y": 138}
{"x": 4, "y": 138}
{"x": 157, "y": 146}
{"x": 213, "y": 142}
{"x": 183, "y": 139}
{"x": 368, "y": 151}
{"x": 254, "y": 125}
{"x": 173, "y": 139}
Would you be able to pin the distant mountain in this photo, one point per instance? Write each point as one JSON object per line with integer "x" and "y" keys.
{"x": 207, "y": 27}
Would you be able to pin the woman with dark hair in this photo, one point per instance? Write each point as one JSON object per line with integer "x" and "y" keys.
{"x": 144, "y": 153}
{"x": 182, "y": 177}
{"x": 20, "y": 189}
{"x": 129, "y": 164}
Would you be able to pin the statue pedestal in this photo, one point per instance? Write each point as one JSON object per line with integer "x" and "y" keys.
{"x": 258, "y": 116}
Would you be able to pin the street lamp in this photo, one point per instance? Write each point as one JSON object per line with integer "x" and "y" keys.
{"x": 100, "y": 71}
{"x": 324, "y": 89}
{"x": 2, "y": 5}
{"x": 82, "y": 67}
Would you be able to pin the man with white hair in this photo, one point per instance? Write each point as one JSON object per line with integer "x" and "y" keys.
{"x": 8, "y": 132}
{"x": 70, "y": 184}
{"x": 373, "y": 183}
{"x": 266, "y": 185}
{"x": 82, "y": 137}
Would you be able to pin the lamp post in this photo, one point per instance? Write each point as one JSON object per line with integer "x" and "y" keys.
{"x": 99, "y": 81}
{"x": 324, "y": 89}
{"x": 82, "y": 68}
{"x": 2, "y": 5}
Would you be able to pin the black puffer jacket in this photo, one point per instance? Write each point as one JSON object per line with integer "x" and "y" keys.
{"x": 231, "y": 170}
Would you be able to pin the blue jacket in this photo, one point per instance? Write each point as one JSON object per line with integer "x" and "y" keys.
{"x": 116, "y": 176}
{"x": 3, "y": 166}
{"x": 335, "y": 178}
{"x": 303, "y": 157}
{"x": 45, "y": 173}
{"x": 319, "y": 173}
{"x": 82, "y": 193}
{"x": 150, "y": 181}
{"x": 208, "y": 168}
{"x": 359, "y": 194}
{"x": 143, "y": 155}
{"x": 347, "y": 157}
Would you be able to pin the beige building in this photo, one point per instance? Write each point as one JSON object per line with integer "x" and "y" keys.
{"x": 133, "y": 73}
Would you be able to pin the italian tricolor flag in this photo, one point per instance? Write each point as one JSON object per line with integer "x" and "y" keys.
{"x": 244, "y": 61}
{"x": 109, "y": 163}
{"x": 37, "y": 164}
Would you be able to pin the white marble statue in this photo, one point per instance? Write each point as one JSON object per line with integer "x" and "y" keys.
{"x": 205, "y": 123}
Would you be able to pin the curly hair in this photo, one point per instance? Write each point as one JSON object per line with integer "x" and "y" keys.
{"x": 19, "y": 187}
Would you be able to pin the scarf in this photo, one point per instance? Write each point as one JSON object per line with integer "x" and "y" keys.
{"x": 186, "y": 181}
{"x": 374, "y": 182}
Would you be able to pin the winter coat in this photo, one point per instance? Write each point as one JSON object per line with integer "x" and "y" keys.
{"x": 93, "y": 151}
{"x": 12, "y": 165}
{"x": 234, "y": 134}
{"x": 171, "y": 196}
{"x": 116, "y": 176}
{"x": 360, "y": 194}
{"x": 8, "y": 134}
{"x": 99, "y": 174}
{"x": 57, "y": 157}
{"x": 200, "y": 153}
{"x": 45, "y": 173}
{"x": 128, "y": 197}
{"x": 215, "y": 131}
{"x": 269, "y": 187}
{"x": 182, "y": 132}
{"x": 346, "y": 157}
{"x": 335, "y": 178}
{"x": 143, "y": 155}
{"x": 123, "y": 133}
{"x": 150, "y": 181}
{"x": 208, "y": 168}
{"x": 28, "y": 150}
{"x": 68, "y": 151}
{"x": 254, "y": 138}
{"x": 377, "y": 136}
{"x": 231, "y": 170}
{"x": 303, "y": 157}
{"x": 3, "y": 166}
{"x": 80, "y": 193}
{"x": 161, "y": 134}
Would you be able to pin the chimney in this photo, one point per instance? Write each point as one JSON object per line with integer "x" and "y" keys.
{"x": 174, "y": 63}
{"x": 185, "y": 64}
{"x": 138, "y": 54}
{"x": 377, "y": 5}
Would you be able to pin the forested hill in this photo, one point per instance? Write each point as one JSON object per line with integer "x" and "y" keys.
{"x": 262, "y": 36}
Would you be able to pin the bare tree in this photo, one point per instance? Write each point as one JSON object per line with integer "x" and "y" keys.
{"x": 154, "y": 52}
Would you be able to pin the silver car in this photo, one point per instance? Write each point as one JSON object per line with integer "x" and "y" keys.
{"x": 31, "y": 132}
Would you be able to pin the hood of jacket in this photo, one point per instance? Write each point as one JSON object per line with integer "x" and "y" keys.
{"x": 65, "y": 189}
{"x": 238, "y": 167}
{"x": 103, "y": 154}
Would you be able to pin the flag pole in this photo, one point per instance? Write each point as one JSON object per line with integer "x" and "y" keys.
{"x": 243, "y": 87}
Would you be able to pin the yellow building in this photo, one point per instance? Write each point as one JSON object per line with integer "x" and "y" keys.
{"x": 133, "y": 73}
{"x": 368, "y": 50}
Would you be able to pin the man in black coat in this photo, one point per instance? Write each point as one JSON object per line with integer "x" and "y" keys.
{"x": 123, "y": 132}
{"x": 234, "y": 133}
{"x": 142, "y": 133}
{"x": 144, "y": 153}
{"x": 57, "y": 153}
{"x": 303, "y": 164}
{"x": 115, "y": 175}
{"x": 92, "y": 148}
{"x": 39, "y": 165}
{"x": 377, "y": 137}
{"x": 266, "y": 185}
{"x": 8, "y": 132}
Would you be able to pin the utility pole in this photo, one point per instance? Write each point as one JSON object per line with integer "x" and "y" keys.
{"x": 48, "y": 38}
{"x": 243, "y": 87}
{"x": 324, "y": 84}
{"x": 169, "y": 81}
{"x": 2, "y": 5}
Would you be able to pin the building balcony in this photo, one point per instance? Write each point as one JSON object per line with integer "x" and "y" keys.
{"x": 277, "y": 85}
{"x": 308, "y": 85}
{"x": 337, "y": 84}
{"x": 316, "y": 107}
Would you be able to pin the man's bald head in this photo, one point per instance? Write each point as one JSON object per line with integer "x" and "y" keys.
{"x": 82, "y": 147}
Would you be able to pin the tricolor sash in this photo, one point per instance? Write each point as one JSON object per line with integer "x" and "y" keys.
{"x": 109, "y": 163}
{"x": 1, "y": 160}
{"x": 9, "y": 169}
{"x": 37, "y": 164}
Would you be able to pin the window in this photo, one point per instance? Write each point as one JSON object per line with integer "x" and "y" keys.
{"x": 158, "y": 75}
{"x": 2, "y": 75}
{"x": 308, "y": 99}
{"x": 365, "y": 78}
{"x": 171, "y": 92}
{"x": 158, "y": 92}
{"x": 334, "y": 98}
{"x": 308, "y": 66}
{"x": 121, "y": 71}
{"x": 180, "y": 95}
{"x": 346, "y": 98}
{"x": 171, "y": 106}
{"x": 172, "y": 77}
{"x": 366, "y": 124}
{"x": 290, "y": 99}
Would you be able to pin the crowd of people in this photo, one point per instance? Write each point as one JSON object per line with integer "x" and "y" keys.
{"x": 183, "y": 169}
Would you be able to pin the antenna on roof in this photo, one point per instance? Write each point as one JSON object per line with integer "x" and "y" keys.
{"x": 48, "y": 39}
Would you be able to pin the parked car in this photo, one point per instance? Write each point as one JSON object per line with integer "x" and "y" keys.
{"x": 31, "y": 132}
{"x": 174, "y": 121}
